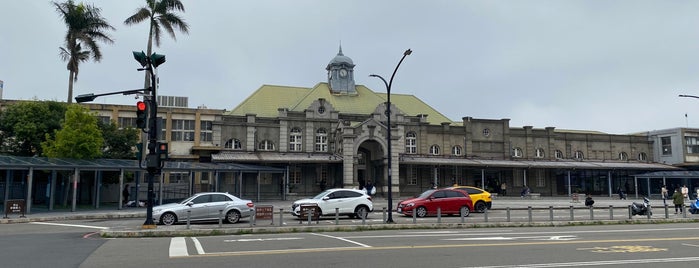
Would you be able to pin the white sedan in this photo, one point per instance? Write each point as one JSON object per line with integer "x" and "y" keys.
{"x": 204, "y": 207}
{"x": 353, "y": 203}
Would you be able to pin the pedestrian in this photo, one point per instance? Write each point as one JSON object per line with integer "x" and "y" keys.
{"x": 503, "y": 188}
{"x": 125, "y": 194}
{"x": 525, "y": 192}
{"x": 685, "y": 192}
{"x": 621, "y": 193}
{"x": 370, "y": 190}
{"x": 588, "y": 201}
{"x": 663, "y": 194}
{"x": 678, "y": 200}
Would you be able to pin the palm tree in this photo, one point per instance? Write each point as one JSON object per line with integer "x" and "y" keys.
{"x": 161, "y": 15}
{"x": 85, "y": 27}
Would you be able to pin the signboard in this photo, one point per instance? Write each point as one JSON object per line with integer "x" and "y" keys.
{"x": 312, "y": 209}
{"x": 264, "y": 212}
{"x": 15, "y": 206}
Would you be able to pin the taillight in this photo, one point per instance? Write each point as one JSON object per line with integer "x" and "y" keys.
{"x": 250, "y": 204}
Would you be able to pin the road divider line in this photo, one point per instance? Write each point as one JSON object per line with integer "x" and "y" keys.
{"x": 70, "y": 225}
{"x": 343, "y": 239}
{"x": 595, "y": 263}
{"x": 178, "y": 247}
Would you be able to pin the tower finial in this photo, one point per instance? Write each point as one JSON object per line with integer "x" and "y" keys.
{"x": 340, "y": 52}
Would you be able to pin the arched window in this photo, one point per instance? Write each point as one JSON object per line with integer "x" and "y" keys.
{"x": 266, "y": 145}
{"x": 578, "y": 155}
{"x": 456, "y": 150}
{"x": 623, "y": 156}
{"x": 517, "y": 152}
{"x": 642, "y": 157}
{"x": 434, "y": 149}
{"x": 321, "y": 140}
{"x": 559, "y": 154}
{"x": 540, "y": 153}
{"x": 233, "y": 144}
{"x": 411, "y": 143}
{"x": 295, "y": 141}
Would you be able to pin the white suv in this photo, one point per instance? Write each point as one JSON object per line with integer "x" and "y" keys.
{"x": 353, "y": 203}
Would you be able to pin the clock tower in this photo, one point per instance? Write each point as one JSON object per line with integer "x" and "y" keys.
{"x": 341, "y": 74}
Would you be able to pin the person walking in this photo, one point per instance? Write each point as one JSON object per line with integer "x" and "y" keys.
{"x": 125, "y": 194}
{"x": 370, "y": 190}
{"x": 588, "y": 201}
{"x": 678, "y": 200}
{"x": 685, "y": 192}
{"x": 503, "y": 188}
{"x": 663, "y": 194}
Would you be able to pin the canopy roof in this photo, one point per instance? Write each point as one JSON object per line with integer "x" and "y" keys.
{"x": 43, "y": 163}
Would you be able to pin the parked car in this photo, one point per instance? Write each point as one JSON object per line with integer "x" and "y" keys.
{"x": 204, "y": 207}
{"x": 482, "y": 199}
{"x": 451, "y": 201}
{"x": 352, "y": 203}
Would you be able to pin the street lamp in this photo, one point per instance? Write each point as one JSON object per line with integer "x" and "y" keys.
{"x": 388, "y": 134}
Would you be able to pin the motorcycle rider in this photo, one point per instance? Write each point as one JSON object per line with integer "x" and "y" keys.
{"x": 678, "y": 200}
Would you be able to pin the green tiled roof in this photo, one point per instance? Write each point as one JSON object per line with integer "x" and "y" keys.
{"x": 267, "y": 99}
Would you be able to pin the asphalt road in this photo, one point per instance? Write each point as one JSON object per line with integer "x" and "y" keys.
{"x": 71, "y": 244}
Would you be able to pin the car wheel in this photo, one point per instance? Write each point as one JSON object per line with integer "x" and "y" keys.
{"x": 168, "y": 218}
{"x": 480, "y": 207}
{"x": 465, "y": 211}
{"x": 421, "y": 212}
{"x": 361, "y": 211}
{"x": 233, "y": 216}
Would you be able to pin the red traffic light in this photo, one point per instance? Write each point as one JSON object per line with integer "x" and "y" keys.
{"x": 141, "y": 106}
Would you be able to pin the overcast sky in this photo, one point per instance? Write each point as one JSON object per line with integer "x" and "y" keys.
{"x": 610, "y": 66}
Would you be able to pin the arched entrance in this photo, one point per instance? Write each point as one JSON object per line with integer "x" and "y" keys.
{"x": 370, "y": 164}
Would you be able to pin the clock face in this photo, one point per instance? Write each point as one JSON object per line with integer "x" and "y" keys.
{"x": 343, "y": 72}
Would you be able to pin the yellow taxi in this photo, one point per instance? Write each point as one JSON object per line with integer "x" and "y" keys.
{"x": 482, "y": 199}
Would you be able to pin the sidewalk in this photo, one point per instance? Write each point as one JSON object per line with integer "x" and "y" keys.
{"x": 499, "y": 203}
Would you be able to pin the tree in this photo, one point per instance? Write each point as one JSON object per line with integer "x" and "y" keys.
{"x": 24, "y": 125}
{"x": 85, "y": 28}
{"x": 118, "y": 143}
{"x": 161, "y": 15}
{"x": 78, "y": 138}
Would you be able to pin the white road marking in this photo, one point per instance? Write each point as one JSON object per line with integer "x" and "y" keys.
{"x": 690, "y": 245}
{"x": 71, "y": 225}
{"x": 595, "y": 263}
{"x": 263, "y": 239}
{"x": 178, "y": 247}
{"x": 197, "y": 245}
{"x": 343, "y": 239}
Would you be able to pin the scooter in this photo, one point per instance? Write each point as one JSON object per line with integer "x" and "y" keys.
{"x": 641, "y": 208}
{"x": 694, "y": 207}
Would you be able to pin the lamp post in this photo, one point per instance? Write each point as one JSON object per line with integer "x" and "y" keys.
{"x": 388, "y": 133}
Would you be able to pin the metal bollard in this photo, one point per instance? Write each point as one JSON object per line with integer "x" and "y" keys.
{"x": 252, "y": 220}
{"x": 337, "y": 216}
{"x": 508, "y": 214}
{"x": 439, "y": 215}
{"x": 611, "y": 212}
{"x": 414, "y": 216}
{"x": 220, "y": 218}
{"x": 551, "y": 213}
{"x": 649, "y": 212}
{"x": 485, "y": 214}
{"x": 281, "y": 214}
{"x": 384, "y": 213}
{"x": 529, "y": 208}
{"x": 684, "y": 211}
{"x": 667, "y": 213}
{"x": 592, "y": 213}
{"x": 364, "y": 218}
{"x": 310, "y": 213}
{"x": 572, "y": 214}
{"x": 630, "y": 212}
{"x": 462, "y": 215}
{"x": 189, "y": 215}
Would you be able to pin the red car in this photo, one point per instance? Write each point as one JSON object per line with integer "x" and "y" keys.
{"x": 451, "y": 201}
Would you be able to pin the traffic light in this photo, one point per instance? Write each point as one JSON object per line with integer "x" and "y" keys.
{"x": 142, "y": 115}
{"x": 162, "y": 150}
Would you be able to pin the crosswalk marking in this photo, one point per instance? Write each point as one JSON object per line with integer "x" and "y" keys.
{"x": 178, "y": 247}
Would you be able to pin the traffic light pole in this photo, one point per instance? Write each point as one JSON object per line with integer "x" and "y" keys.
{"x": 152, "y": 165}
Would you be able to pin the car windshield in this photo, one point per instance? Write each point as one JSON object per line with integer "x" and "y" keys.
{"x": 320, "y": 195}
{"x": 426, "y": 194}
